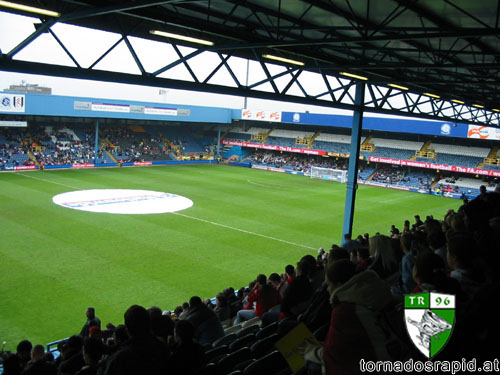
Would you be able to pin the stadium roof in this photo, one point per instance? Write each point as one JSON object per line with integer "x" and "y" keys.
{"x": 427, "y": 58}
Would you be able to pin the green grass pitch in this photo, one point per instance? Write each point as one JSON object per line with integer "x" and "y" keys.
{"x": 57, "y": 261}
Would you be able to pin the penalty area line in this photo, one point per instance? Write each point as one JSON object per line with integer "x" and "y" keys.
{"x": 244, "y": 231}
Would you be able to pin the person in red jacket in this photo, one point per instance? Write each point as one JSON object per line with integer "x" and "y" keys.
{"x": 354, "y": 333}
{"x": 263, "y": 295}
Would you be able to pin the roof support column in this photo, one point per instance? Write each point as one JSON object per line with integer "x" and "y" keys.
{"x": 96, "y": 141}
{"x": 352, "y": 176}
{"x": 218, "y": 142}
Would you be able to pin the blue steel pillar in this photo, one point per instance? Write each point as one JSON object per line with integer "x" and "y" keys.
{"x": 352, "y": 176}
{"x": 218, "y": 143}
{"x": 96, "y": 141}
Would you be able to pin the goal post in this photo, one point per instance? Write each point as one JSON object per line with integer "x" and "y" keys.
{"x": 329, "y": 174}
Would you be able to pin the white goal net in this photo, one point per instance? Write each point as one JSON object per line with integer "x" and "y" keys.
{"x": 329, "y": 174}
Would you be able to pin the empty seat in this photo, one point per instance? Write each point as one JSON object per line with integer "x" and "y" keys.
{"x": 216, "y": 352}
{"x": 247, "y": 340}
{"x": 233, "y": 329}
{"x": 251, "y": 329}
{"x": 264, "y": 346}
{"x": 230, "y": 361}
{"x": 269, "y": 365}
{"x": 254, "y": 321}
{"x": 267, "y": 330}
{"x": 225, "y": 340}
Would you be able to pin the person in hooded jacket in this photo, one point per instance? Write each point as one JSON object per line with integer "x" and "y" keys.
{"x": 358, "y": 301}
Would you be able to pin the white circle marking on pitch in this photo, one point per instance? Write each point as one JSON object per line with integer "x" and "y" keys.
{"x": 123, "y": 201}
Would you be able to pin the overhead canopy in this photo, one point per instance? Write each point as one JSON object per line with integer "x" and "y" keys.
{"x": 427, "y": 58}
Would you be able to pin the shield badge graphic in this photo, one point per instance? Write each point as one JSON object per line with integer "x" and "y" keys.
{"x": 429, "y": 320}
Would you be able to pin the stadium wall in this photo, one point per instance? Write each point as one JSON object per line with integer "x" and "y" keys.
{"x": 68, "y": 106}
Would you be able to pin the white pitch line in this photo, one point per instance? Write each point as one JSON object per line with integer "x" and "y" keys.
{"x": 244, "y": 231}
{"x": 51, "y": 182}
{"x": 267, "y": 186}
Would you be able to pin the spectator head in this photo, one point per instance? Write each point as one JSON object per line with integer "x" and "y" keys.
{"x": 184, "y": 331}
{"x": 221, "y": 300}
{"x": 274, "y": 279}
{"x": 429, "y": 268}
{"x": 311, "y": 260}
{"x": 461, "y": 250}
{"x": 457, "y": 222}
{"x": 137, "y": 321}
{"x": 290, "y": 270}
{"x": 304, "y": 268}
{"x": 12, "y": 364}
{"x": 195, "y": 301}
{"x": 337, "y": 253}
{"x": 261, "y": 279}
{"x": 185, "y": 306}
{"x": 347, "y": 236}
{"x": 93, "y": 349}
{"x": 363, "y": 253}
{"x": 90, "y": 313}
{"x": 37, "y": 353}
{"x": 405, "y": 241}
{"x": 24, "y": 350}
{"x": 120, "y": 334}
{"x": 74, "y": 343}
{"x": 482, "y": 189}
{"x": 436, "y": 238}
{"x": 155, "y": 312}
{"x": 338, "y": 273}
{"x": 178, "y": 310}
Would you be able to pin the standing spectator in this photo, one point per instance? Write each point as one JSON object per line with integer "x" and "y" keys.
{"x": 92, "y": 320}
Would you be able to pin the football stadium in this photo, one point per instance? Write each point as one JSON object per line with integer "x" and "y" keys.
{"x": 249, "y": 238}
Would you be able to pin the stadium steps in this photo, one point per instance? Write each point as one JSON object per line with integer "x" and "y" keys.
{"x": 313, "y": 138}
{"x": 426, "y": 145}
{"x": 267, "y": 134}
{"x": 367, "y": 145}
{"x": 423, "y": 151}
{"x": 371, "y": 176}
{"x": 32, "y": 157}
{"x": 111, "y": 156}
{"x": 491, "y": 159}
